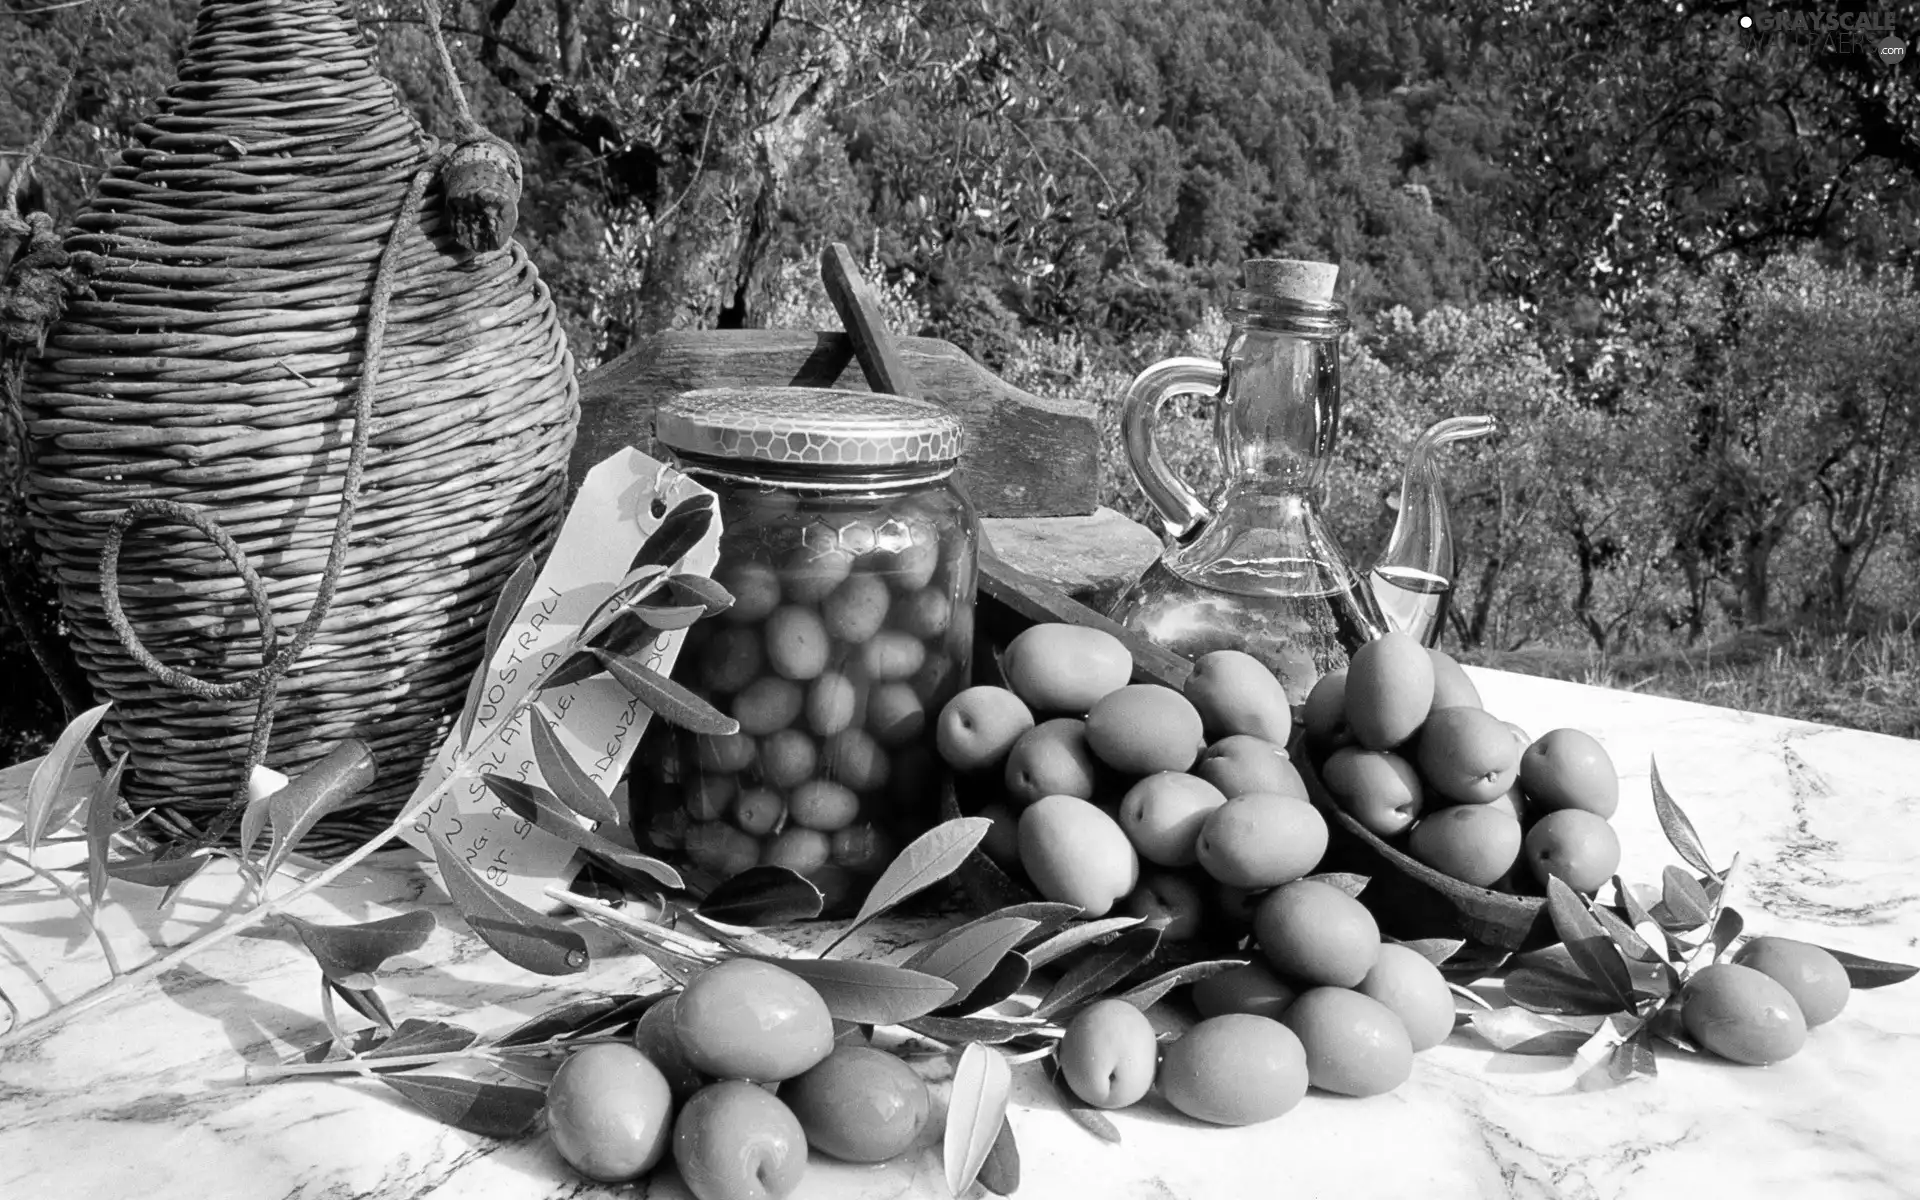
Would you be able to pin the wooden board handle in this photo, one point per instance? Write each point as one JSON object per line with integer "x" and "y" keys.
{"x": 860, "y": 313}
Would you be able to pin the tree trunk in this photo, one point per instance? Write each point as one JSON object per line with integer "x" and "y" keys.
{"x": 1585, "y": 558}
{"x": 1697, "y": 581}
{"x": 1840, "y": 577}
{"x": 1473, "y": 630}
{"x": 711, "y": 265}
{"x": 1755, "y": 587}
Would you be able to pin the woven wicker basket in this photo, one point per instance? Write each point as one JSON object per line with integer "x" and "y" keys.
{"x": 217, "y": 367}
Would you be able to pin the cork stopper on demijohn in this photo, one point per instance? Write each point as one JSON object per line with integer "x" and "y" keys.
{"x": 1292, "y": 278}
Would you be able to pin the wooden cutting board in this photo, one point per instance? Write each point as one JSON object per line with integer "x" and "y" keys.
{"x": 1026, "y": 455}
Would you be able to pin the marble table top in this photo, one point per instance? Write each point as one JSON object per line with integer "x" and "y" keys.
{"x": 145, "y": 1097}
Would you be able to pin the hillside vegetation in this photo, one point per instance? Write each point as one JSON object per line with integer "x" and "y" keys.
{"x": 1674, "y": 258}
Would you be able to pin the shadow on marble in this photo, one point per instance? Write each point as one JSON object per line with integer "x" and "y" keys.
{"x": 244, "y": 1018}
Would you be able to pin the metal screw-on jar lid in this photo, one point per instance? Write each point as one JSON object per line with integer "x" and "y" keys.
{"x": 797, "y": 426}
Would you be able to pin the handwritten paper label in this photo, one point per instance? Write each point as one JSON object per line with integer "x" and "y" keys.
{"x": 620, "y": 503}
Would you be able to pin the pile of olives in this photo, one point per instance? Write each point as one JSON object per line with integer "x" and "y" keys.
{"x": 850, "y": 625}
{"x": 1180, "y": 806}
{"x": 1401, "y": 742}
{"x": 1133, "y": 798}
{"x": 737, "y": 1076}
{"x": 1183, "y": 807}
{"x": 1326, "y": 1005}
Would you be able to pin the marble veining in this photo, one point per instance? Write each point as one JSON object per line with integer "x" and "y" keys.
{"x": 148, "y": 1096}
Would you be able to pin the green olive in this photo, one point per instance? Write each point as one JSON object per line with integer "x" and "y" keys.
{"x": 823, "y": 805}
{"x": 760, "y": 812}
{"x": 892, "y": 654}
{"x": 833, "y": 703}
{"x": 855, "y": 610}
{"x": 767, "y": 705}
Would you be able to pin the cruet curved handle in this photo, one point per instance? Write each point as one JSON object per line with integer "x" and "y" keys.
{"x": 1180, "y": 509}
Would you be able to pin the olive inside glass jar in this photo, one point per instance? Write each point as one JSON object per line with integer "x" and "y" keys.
{"x": 851, "y": 554}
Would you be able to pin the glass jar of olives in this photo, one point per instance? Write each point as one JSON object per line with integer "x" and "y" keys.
{"x": 850, "y": 554}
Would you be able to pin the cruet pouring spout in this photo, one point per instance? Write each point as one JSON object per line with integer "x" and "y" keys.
{"x": 1413, "y": 581}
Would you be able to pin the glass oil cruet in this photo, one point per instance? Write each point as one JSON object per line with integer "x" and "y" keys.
{"x": 1257, "y": 570}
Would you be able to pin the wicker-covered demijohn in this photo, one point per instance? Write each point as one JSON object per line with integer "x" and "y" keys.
{"x": 217, "y": 366}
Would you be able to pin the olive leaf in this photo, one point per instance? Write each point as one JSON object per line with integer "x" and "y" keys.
{"x": 1046, "y": 915}
{"x": 578, "y": 1017}
{"x": 1679, "y": 830}
{"x": 1009, "y": 973}
{"x": 106, "y": 795}
{"x": 982, "y": 1085}
{"x": 635, "y": 587}
{"x": 1667, "y": 1024}
{"x": 688, "y": 587}
{"x": 1594, "y": 1058}
{"x": 261, "y": 786}
{"x": 1684, "y": 904}
{"x": 625, "y": 637}
{"x": 1000, "y": 1173}
{"x": 1008, "y": 976}
{"x": 360, "y": 996}
{"x": 563, "y": 775}
{"x": 536, "y": 1067}
{"x": 925, "y": 861}
{"x": 417, "y": 1036}
{"x": 1636, "y": 912}
{"x": 1630, "y": 943}
{"x": 1863, "y": 972}
{"x": 506, "y": 607}
{"x": 1153, "y": 990}
{"x": 678, "y": 532}
{"x": 1633, "y": 1058}
{"x": 490, "y": 1109}
{"x": 967, "y": 955}
{"x": 870, "y": 993}
{"x": 1068, "y": 940}
{"x": 1100, "y": 970}
{"x": 50, "y": 802}
{"x": 1641, "y": 919}
{"x": 161, "y": 870}
{"x": 341, "y": 774}
{"x": 1461, "y": 992}
{"x": 726, "y": 934}
{"x": 332, "y": 1050}
{"x": 1438, "y": 951}
{"x": 1726, "y": 928}
{"x": 667, "y": 617}
{"x": 852, "y": 1033}
{"x": 1346, "y": 881}
{"x": 517, "y": 933}
{"x": 1554, "y": 984}
{"x": 1092, "y": 1120}
{"x": 1049, "y": 917}
{"x": 667, "y": 699}
{"x": 1588, "y": 944}
{"x": 543, "y": 809}
{"x": 513, "y": 594}
{"x": 1518, "y": 1031}
{"x": 1473, "y": 962}
{"x": 956, "y": 1031}
{"x": 763, "y": 896}
{"x": 344, "y": 951}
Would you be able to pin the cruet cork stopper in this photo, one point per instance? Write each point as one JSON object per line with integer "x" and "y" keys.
{"x": 1292, "y": 278}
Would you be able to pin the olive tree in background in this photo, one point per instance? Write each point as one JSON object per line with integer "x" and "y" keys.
{"x": 1796, "y": 381}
